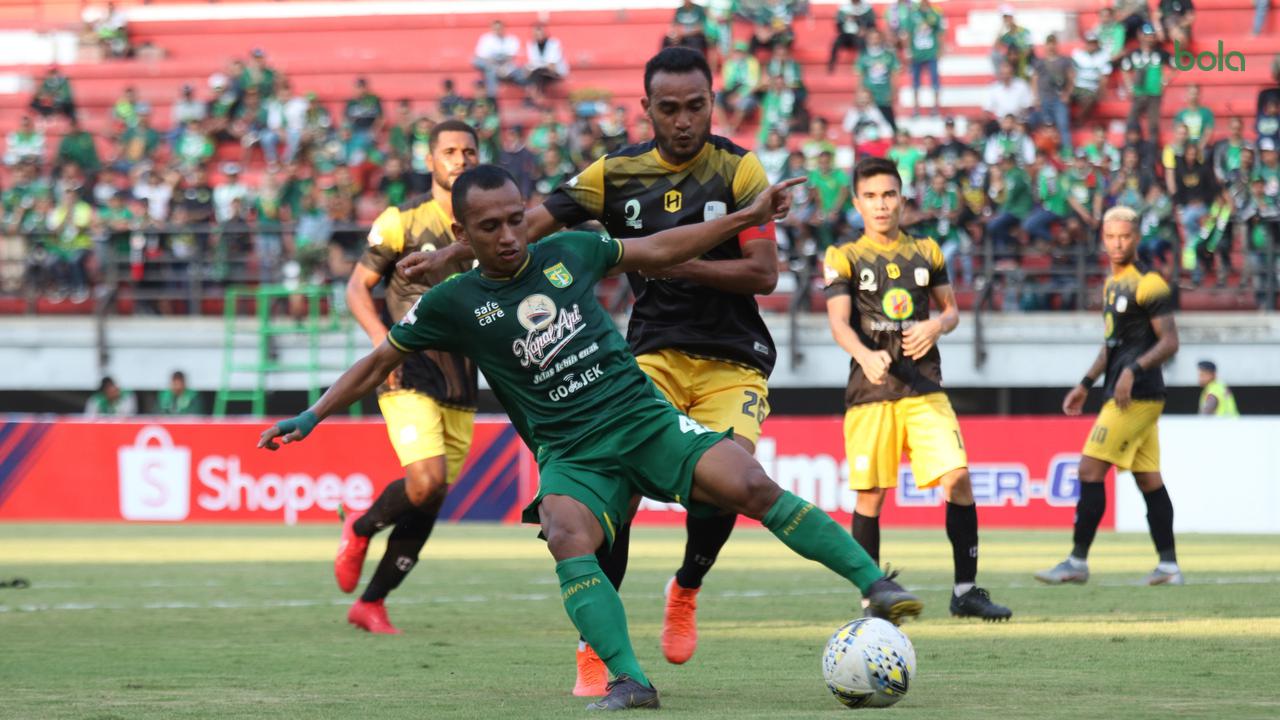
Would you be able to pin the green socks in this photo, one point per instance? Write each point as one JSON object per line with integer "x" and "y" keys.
{"x": 596, "y": 610}
{"x": 812, "y": 534}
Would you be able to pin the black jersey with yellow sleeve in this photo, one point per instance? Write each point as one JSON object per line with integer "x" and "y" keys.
{"x": 1131, "y": 300}
{"x": 420, "y": 224}
{"x": 890, "y": 288}
{"x": 634, "y": 192}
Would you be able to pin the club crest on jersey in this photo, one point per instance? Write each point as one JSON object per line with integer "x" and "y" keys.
{"x": 922, "y": 276}
{"x": 1122, "y": 303}
{"x": 714, "y": 209}
{"x": 559, "y": 275}
{"x": 549, "y": 331}
{"x": 897, "y": 304}
{"x": 893, "y": 271}
{"x": 673, "y": 201}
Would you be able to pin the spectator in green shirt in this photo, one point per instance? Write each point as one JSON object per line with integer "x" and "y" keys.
{"x": 77, "y": 148}
{"x": 688, "y": 27}
{"x": 126, "y": 109}
{"x": 70, "y": 223}
{"x": 364, "y": 113}
{"x": 110, "y": 401}
{"x": 1053, "y": 205}
{"x": 137, "y": 143}
{"x": 906, "y": 155}
{"x": 1197, "y": 118}
{"x": 876, "y": 68}
{"x": 831, "y": 195}
{"x": 778, "y": 109}
{"x": 1013, "y": 44}
{"x": 53, "y": 96}
{"x": 741, "y": 85}
{"x": 1010, "y": 191}
{"x": 922, "y": 33}
{"x": 1145, "y": 79}
{"x": 781, "y": 64}
{"x": 194, "y": 146}
{"x": 853, "y": 22}
{"x": 118, "y": 222}
{"x": 178, "y": 399}
{"x": 1082, "y": 188}
{"x": 258, "y": 74}
{"x": 1110, "y": 34}
{"x": 25, "y": 144}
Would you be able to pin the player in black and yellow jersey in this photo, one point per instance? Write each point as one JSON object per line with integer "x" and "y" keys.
{"x": 695, "y": 328}
{"x": 878, "y": 292}
{"x": 429, "y": 404}
{"x": 1140, "y": 337}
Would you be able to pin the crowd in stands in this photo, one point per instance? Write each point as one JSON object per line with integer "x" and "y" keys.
{"x": 248, "y": 176}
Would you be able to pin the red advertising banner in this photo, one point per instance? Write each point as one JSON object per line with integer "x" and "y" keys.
{"x": 168, "y": 471}
{"x": 1023, "y": 472}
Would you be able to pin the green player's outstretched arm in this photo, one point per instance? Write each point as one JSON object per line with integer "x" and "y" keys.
{"x": 357, "y": 382}
{"x": 669, "y": 247}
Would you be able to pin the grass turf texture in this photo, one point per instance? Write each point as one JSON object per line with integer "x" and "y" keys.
{"x": 217, "y": 621}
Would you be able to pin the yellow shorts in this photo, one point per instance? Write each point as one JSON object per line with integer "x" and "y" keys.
{"x": 1128, "y": 439}
{"x": 718, "y": 394}
{"x": 421, "y": 428}
{"x": 875, "y": 434}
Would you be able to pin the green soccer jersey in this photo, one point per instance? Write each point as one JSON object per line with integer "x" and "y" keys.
{"x": 924, "y": 27}
{"x": 1199, "y": 122}
{"x": 876, "y": 70}
{"x": 548, "y": 349}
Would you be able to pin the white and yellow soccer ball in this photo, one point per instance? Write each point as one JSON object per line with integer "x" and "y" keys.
{"x": 869, "y": 663}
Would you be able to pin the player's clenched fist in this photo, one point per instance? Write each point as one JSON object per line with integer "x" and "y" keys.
{"x": 875, "y": 365}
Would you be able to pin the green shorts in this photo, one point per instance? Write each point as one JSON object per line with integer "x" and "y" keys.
{"x": 651, "y": 453}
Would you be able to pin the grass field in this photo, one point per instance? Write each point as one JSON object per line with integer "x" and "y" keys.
{"x": 210, "y": 621}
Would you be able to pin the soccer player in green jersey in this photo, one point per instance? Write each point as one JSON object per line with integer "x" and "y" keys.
{"x": 529, "y": 318}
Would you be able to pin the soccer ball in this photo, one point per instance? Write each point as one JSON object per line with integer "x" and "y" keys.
{"x": 869, "y": 663}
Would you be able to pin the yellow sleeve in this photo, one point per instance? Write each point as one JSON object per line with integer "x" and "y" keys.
{"x": 933, "y": 254}
{"x": 581, "y": 198}
{"x": 1154, "y": 295}
{"x": 749, "y": 180}
{"x": 387, "y": 231}
{"x": 836, "y": 269}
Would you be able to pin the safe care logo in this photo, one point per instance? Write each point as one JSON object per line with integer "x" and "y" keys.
{"x": 1185, "y": 60}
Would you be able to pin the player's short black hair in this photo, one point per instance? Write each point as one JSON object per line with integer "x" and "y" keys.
{"x": 482, "y": 177}
{"x": 873, "y": 166}
{"x": 451, "y": 126}
{"x": 676, "y": 60}
{"x": 178, "y": 375}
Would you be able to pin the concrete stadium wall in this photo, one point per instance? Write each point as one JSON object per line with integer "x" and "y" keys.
{"x": 1023, "y": 350}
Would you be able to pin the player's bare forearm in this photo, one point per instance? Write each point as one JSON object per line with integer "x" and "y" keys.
{"x": 754, "y": 274}
{"x": 359, "y": 380}
{"x": 945, "y": 298}
{"x": 839, "y": 310}
{"x": 360, "y": 300}
{"x": 1166, "y": 343}
{"x": 540, "y": 223}
{"x": 670, "y": 247}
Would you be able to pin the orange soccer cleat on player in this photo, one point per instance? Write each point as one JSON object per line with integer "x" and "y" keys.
{"x": 371, "y": 616}
{"x": 351, "y": 551}
{"x": 593, "y": 676}
{"x": 680, "y": 623}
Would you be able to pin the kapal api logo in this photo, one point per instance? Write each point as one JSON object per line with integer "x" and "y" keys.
{"x": 549, "y": 331}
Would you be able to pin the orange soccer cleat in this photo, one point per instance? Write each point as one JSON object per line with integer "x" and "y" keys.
{"x": 679, "y": 623}
{"x": 371, "y": 616}
{"x": 593, "y": 676}
{"x": 351, "y": 552}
